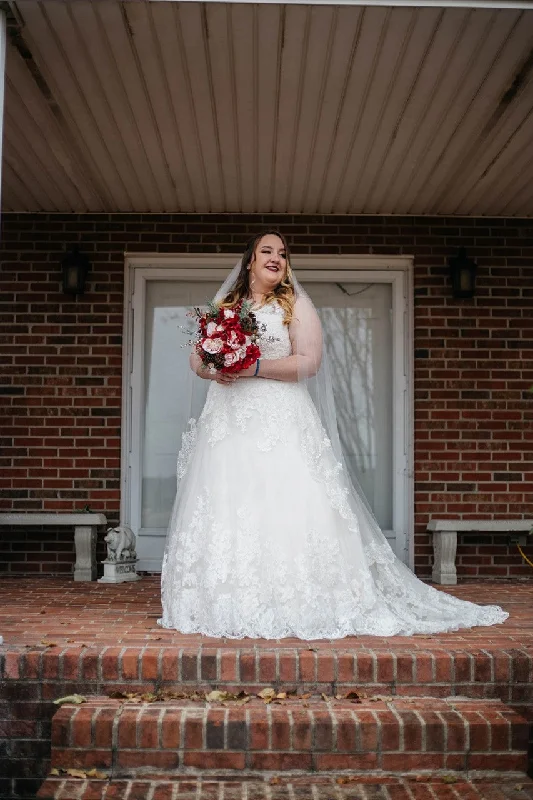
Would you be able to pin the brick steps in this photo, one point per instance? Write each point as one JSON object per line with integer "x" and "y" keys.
{"x": 389, "y": 735}
{"x": 280, "y": 787}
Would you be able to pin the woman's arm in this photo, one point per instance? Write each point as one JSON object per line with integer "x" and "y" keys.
{"x": 305, "y": 333}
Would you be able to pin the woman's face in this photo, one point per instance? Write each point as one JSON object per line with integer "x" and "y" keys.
{"x": 269, "y": 264}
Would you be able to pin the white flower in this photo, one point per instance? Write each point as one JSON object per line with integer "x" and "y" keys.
{"x": 211, "y": 328}
{"x": 212, "y": 345}
{"x": 228, "y": 313}
{"x": 230, "y": 358}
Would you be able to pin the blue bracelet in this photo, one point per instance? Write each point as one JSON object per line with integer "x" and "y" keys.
{"x": 257, "y": 366}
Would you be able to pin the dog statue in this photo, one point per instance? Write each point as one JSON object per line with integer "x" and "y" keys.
{"x": 120, "y": 543}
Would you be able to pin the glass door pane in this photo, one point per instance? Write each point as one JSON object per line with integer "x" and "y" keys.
{"x": 166, "y": 410}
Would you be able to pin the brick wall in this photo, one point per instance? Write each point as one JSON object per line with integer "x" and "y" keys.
{"x": 61, "y": 364}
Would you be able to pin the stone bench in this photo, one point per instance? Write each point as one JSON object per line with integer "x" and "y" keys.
{"x": 445, "y": 540}
{"x": 85, "y": 529}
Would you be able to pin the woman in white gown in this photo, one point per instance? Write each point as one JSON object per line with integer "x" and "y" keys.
{"x": 268, "y": 538}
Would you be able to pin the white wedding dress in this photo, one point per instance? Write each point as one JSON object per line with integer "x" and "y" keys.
{"x": 267, "y": 539}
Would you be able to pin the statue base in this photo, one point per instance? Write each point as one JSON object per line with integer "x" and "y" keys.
{"x": 119, "y": 571}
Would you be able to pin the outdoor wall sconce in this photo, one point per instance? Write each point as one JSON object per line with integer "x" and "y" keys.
{"x": 463, "y": 274}
{"x": 75, "y": 267}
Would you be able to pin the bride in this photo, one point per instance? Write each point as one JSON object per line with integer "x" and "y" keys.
{"x": 268, "y": 537}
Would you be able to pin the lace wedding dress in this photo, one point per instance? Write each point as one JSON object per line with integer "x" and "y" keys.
{"x": 268, "y": 540}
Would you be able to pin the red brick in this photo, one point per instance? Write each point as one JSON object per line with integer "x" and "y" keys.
{"x": 342, "y": 761}
{"x": 280, "y": 761}
{"x": 169, "y": 666}
{"x": 194, "y": 727}
{"x": 149, "y": 665}
{"x": 267, "y": 667}
{"x": 148, "y": 735}
{"x": 127, "y": 727}
{"x": 214, "y": 760}
{"x": 171, "y": 730}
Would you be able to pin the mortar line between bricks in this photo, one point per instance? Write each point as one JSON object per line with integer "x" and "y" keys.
{"x": 423, "y": 729}
{"x": 114, "y": 740}
{"x": 444, "y": 723}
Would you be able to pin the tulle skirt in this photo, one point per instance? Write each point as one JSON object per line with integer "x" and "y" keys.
{"x": 268, "y": 538}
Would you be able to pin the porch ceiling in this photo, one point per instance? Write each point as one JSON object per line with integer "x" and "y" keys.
{"x": 164, "y": 106}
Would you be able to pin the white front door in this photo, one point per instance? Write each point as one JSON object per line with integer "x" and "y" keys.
{"x": 363, "y": 315}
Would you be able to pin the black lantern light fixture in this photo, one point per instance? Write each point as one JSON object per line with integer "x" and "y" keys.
{"x": 75, "y": 267}
{"x": 463, "y": 274}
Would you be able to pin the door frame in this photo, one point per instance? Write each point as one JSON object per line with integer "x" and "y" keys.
{"x": 396, "y": 270}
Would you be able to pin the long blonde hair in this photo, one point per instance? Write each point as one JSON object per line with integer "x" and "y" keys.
{"x": 283, "y": 292}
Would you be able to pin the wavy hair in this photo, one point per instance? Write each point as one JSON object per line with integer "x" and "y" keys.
{"x": 283, "y": 292}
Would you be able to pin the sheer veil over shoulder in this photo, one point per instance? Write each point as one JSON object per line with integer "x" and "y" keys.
{"x": 270, "y": 536}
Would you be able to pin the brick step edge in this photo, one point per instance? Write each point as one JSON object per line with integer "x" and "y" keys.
{"x": 289, "y": 788}
{"x": 395, "y": 735}
{"x": 90, "y": 669}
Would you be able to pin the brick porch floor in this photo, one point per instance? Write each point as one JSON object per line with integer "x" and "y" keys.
{"x": 106, "y": 615}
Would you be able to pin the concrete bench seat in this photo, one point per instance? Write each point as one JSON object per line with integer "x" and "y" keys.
{"x": 445, "y": 540}
{"x": 85, "y": 530}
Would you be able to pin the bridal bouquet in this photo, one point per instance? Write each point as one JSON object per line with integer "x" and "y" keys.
{"x": 226, "y": 338}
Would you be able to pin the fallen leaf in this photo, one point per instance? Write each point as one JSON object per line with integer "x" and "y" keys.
{"x": 48, "y": 643}
{"x": 449, "y": 779}
{"x": 274, "y": 781}
{"x": 338, "y": 697}
{"x": 518, "y": 787}
{"x": 313, "y": 649}
{"x": 70, "y": 698}
{"x": 281, "y": 696}
{"x": 353, "y": 696}
{"x": 267, "y": 695}
{"x": 94, "y": 773}
{"x": 54, "y": 771}
{"x": 76, "y": 773}
{"x": 242, "y": 700}
{"x": 217, "y": 696}
{"x": 324, "y": 697}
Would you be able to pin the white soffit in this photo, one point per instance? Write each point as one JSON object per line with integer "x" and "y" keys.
{"x": 298, "y": 108}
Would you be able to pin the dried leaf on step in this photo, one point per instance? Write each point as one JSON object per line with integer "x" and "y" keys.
{"x": 518, "y": 787}
{"x": 242, "y": 700}
{"x": 54, "y": 771}
{"x": 76, "y": 773}
{"x": 313, "y": 649}
{"x": 353, "y": 696}
{"x": 267, "y": 695}
{"x": 449, "y": 779}
{"x": 149, "y": 697}
{"x": 48, "y": 643}
{"x": 70, "y": 698}
{"x": 347, "y": 779}
{"x": 306, "y": 696}
{"x": 94, "y": 773}
{"x": 324, "y": 697}
{"x": 338, "y": 697}
{"x": 281, "y": 696}
{"x": 217, "y": 696}
{"x": 275, "y": 780}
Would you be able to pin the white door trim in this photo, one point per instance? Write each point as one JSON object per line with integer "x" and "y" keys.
{"x": 396, "y": 270}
